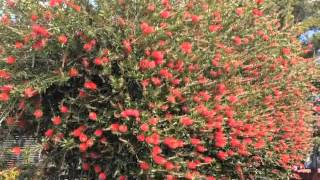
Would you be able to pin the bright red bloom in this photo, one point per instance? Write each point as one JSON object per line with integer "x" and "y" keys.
{"x": 56, "y": 120}
{"x": 102, "y": 176}
{"x": 146, "y": 64}
{"x": 130, "y": 113}
{"x": 222, "y": 155}
{"x": 239, "y": 11}
{"x": 144, "y": 127}
{"x": 53, "y": 3}
{"x": 38, "y": 113}
{"x": 286, "y": 51}
{"x": 39, "y": 30}
{"x": 63, "y": 39}
{"x": 73, "y": 72}
{"x": 4, "y": 97}
{"x": 158, "y": 57}
{"x": 146, "y": 28}
{"x": 83, "y": 137}
{"x": 221, "y": 140}
{"x": 127, "y": 46}
{"x": 186, "y": 121}
{"x": 16, "y": 150}
{"x": 259, "y": 1}
{"x": 49, "y": 133}
{"x": 29, "y": 92}
{"x": 144, "y": 165}
{"x": 90, "y": 85}
{"x": 11, "y": 60}
{"x": 93, "y": 116}
{"x": 186, "y": 47}
{"x": 123, "y": 128}
{"x": 18, "y": 45}
{"x": 83, "y": 147}
{"x": 165, "y": 14}
{"x": 98, "y": 132}
{"x": 215, "y": 28}
{"x": 64, "y": 109}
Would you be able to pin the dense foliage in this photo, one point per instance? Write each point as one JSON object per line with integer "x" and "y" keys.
{"x": 152, "y": 89}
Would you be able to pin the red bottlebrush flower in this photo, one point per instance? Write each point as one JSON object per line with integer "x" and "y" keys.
{"x": 151, "y": 7}
{"x": 146, "y": 64}
{"x": 39, "y": 30}
{"x": 85, "y": 166}
{"x": 210, "y": 178}
{"x": 83, "y": 137}
{"x": 38, "y": 45}
{"x": 127, "y": 46}
{"x": 169, "y": 166}
{"x": 239, "y": 11}
{"x": 34, "y": 17}
{"x": 192, "y": 165}
{"x": 195, "y": 19}
{"x": 186, "y": 47}
{"x": 130, "y": 113}
{"x": 237, "y": 41}
{"x": 195, "y": 141}
{"x": 4, "y": 97}
{"x": 97, "y": 168}
{"x": 6, "y": 88}
{"x": 141, "y": 137}
{"x": 73, "y": 72}
{"x": 56, "y": 120}
{"x": 114, "y": 127}
{"x": 259, "y": 1}
{"x": 144, "y": 165}
{"x": 90, "y": 85}
{"x": 83, "y": 147}
{"x": 144, "y": 127}
{"x": 16, "y": 150}
{"x": 220, "y": 139}
{"x": 63, "y": 39}
{"x": 93, "y": 116}
{"x": 90, "y": 142}
{"x": 159, "y": 160}
{"x": 165, "y": 14}
{"x": 257, "y": 12}
{"x": 38, "y": 113}
{"x": 49, "y": 133}
{"x": 165, "y": 73}
{"x": 123, "y": 128}
{"x": 215, "y": 28}
{"x": 158, "y": 57}
{"x": 53, "y": 3}
{"x": 146, "y": 28}
{"x": 232, "y": 99}
{"x": 222, "y": 155}
{"x": 186, "y": 121}
{"x": 156, "y": 150}
{"x": 11, "y": 60}
{"x": 153, "y": 139}
{"x": 4, "y": 74}
{"x": 98, "y": 61}
{"x": 102, "y": 176}
{"x": 18, "y": 45}
{"x": 286, "y": 51}
{"x": 29, "y": 92}
{"x": 98, "y": 132}
{"x": 64, "y": 109}
{"x": 87, "y": 47}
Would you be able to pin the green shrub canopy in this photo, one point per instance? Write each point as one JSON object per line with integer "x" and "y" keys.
{"x": 195, "y": 89}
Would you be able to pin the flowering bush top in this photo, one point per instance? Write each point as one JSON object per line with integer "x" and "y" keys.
{"x": 157, "y": 89}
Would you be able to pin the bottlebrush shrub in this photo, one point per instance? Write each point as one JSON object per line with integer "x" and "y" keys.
{"x": 157, "y": 89}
